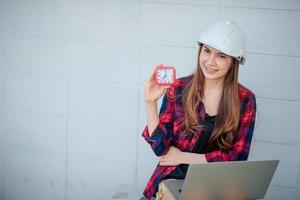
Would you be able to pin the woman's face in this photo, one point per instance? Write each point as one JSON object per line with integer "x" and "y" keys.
{"x": 214, "y": 64}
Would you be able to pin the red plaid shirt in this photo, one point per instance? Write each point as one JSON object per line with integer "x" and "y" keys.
{"x": 171, "y": 120}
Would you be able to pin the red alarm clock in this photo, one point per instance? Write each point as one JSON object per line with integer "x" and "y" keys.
{"x": 165, "y": 75}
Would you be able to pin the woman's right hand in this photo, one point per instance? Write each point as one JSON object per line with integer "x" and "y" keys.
{"x": 153, "y": 91}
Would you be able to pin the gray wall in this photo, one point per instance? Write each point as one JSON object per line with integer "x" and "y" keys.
{"x": 71, "y": 89}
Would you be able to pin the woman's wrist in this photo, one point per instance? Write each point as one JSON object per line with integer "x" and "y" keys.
{"x": 192, "y": 158}
{"x": 152, "y": 116}
{"x": 150, "y": 102}
{"x": 184, "y": 158}
{"x": 151, "y": 106}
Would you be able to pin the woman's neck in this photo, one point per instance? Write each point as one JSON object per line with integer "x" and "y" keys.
{"x": 212, "y": 95}
{"x": 213, "y": 85}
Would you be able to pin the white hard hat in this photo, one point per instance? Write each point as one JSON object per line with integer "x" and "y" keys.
{"x": 226, "y": 37}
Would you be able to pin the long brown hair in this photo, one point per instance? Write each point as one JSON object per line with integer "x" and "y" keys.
{"x": 229, "y": 106}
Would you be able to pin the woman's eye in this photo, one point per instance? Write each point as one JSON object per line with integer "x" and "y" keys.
{"x": 222, "y": 56}
{"x": 206, "y": 50}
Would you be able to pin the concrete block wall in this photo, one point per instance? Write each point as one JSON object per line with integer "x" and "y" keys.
{"x": 71, "y": 89}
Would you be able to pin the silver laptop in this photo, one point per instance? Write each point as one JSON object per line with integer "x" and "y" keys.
{"x": 237, "y": 180}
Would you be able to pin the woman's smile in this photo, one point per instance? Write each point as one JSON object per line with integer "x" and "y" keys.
{"x": 210, "y": 70}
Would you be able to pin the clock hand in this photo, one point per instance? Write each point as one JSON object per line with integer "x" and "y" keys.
{"x": 165, "y": 75}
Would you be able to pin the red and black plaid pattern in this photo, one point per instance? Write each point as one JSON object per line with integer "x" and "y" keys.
{"x": 169, "y": 132}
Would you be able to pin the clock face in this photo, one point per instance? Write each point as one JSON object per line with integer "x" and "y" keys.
{"x": 165, "y": 75}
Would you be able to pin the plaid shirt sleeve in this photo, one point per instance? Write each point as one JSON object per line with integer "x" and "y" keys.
{"x": 242, "y": 142}
{"x": 162, "y": 135}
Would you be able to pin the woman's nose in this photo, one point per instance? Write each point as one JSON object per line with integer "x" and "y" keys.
{"x": 211, "y": 59}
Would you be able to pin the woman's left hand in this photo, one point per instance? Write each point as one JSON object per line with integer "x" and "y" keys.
{"x": 174, "y": 157}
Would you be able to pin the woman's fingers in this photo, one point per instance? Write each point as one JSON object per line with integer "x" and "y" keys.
{"x": 152, "y": 80}
{"x": 166, "y": 163}
{"x": 163, "y": 162}
{"x": 166, "y": 87}
{"x": 154, "y": 91}
{"x": 152, "y": 77}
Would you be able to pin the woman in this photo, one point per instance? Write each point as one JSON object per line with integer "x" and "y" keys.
{"x": 205, "y": 117}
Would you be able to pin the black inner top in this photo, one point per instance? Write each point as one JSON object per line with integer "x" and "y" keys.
{"x": 200, "y": 147}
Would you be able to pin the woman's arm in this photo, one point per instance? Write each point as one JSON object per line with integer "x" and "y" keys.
{"x": 153, "y": 92}
{"x": 161, "y": 135}
{"x": 159, "y": 129}
{"x": 175, "y": 157}
{"x": 152, "y": 116}
{"x": 244, "y": 133}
